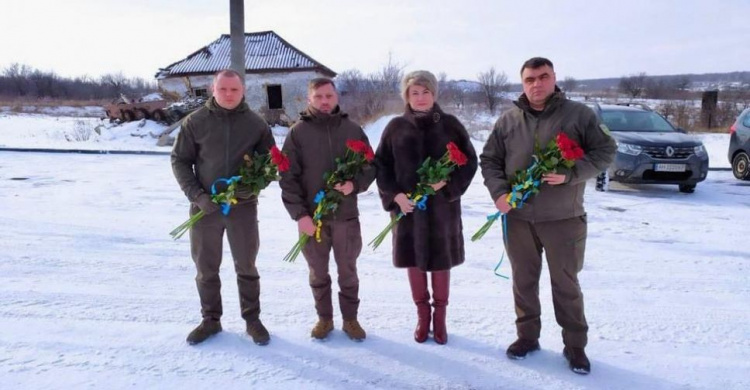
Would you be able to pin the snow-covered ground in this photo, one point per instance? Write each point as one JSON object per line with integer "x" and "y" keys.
{"x": 95, "y": 294}
{"x": 56, "y": 132}
{"x": 718, "y": 148}
{"x": 86, "y": 111}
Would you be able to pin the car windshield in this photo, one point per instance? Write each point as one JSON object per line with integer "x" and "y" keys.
{"x": 635, "y": 121}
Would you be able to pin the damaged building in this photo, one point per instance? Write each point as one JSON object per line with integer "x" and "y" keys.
{"x": 276, "y": 74}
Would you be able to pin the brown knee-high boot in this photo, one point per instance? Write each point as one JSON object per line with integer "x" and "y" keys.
{"x": 440, "y": 291}
{"x": 418, "y": 284}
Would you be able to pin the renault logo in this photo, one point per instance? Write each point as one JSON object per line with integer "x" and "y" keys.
{"x": 670, "y": 151}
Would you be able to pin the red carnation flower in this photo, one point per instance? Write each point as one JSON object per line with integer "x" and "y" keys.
{"x": 279, "y": 159}
{"x": 276, "y": 156}
{"x": 572, "y": 154}
{"x": 456, "y": 155}
{"x": 356, "y": 146}
{"x": 569, "y": 149}
{"x": 369, "y": 154}
{"x": 360, "y": 147}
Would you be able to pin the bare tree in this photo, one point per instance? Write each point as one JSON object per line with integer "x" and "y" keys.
{"x": 655, "y": 89}
{"x": 26, "y": 82}
{"x": 115, "y": 81}
{"x": 443, "y": 86}
{"x": 569, "y": 84}
{"x": 366, "y": 97}
{"x": 633, "y": 85}
{"x": 683, "y": 83}
{"x": 18, "y": 75}
{"x": 442, "y": 78}
{"x": 493, "y": 83}
{"x": 350, "y": 81}
{"x": 387, "y": 78}
{"x": 47, "y": 84}
{"x": 447, "y": 90}
{"x": 458, "y": 95}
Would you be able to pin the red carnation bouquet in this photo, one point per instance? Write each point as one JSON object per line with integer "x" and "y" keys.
{"x": 561, "y": 152}
{"x": 358, "y": 155}
{"x": 256, "y": 174}
{"x": 430, "y": 172}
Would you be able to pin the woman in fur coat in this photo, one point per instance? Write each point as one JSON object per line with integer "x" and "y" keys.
{"x": 429, "y": 240}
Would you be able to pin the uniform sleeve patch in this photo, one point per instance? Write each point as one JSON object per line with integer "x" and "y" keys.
{"x": 605, "y": 129}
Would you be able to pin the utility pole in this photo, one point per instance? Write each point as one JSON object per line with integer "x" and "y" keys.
{"x": 237, "y": 36}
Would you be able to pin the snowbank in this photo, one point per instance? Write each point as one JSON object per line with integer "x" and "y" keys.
{"x": 54, "y": 132}
{"x": 44, "y": 131}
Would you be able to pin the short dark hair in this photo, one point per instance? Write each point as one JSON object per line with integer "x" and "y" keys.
{"x": 319, "y": 82}
{"x": 228, "y": 73}
{"x": 536, "y": 62}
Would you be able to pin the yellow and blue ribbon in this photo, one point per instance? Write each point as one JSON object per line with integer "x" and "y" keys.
{"x": 225, "y": 206}
{"x": 505, "y": 241}
{"x": 421, "y": 202}
{"x": 318, "y": 213}
{"x": 514, "y": 198}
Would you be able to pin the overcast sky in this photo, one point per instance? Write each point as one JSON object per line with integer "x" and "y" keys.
{"x": 585, "y": 39}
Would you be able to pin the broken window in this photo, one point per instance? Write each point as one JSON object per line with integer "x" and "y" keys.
{"x": 274, "y": 97}
{"x": 200, "y": 92}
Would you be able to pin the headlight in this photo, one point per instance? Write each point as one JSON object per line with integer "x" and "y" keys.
{"x": 632, "y": 150}
{"x": 700, "y": 150}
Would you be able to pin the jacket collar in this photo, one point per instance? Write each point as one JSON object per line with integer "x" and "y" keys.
{"x": 552, "y": 103}
{"x": 219, "y": 110}
{"x": 314, "y": 116}
{"x": 435, "y": 115}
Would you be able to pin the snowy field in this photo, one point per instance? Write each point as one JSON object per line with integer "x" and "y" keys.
{"x": 86, "y": 133}
{"x": 95, "y": 294}
{"x": 68, "y": 111}
{"x": 59, "y": 132}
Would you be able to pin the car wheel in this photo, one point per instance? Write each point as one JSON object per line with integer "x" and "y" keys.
{"x": 687, "y": 188}
{"x": 141, "y": 113}
{"x": 158, "y": 115}
{"x": 127, "y": 115}
{"x": 739, "y": 166}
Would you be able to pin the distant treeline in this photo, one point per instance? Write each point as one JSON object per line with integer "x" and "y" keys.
{"x": 707, "y": 80}
{"x": 25, "y": 82}
{"x": 678, "y": 81}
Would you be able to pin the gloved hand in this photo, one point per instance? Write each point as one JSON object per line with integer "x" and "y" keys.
{"x": 206, "y": 205}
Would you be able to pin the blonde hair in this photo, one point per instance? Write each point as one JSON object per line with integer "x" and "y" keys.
{"x": 421, "y": 78}
{"x": 229, "y": 73}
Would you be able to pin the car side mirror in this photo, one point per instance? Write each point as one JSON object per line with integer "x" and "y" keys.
{"x": 681, "y": 130}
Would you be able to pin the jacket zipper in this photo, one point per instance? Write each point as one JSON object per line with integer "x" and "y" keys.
{"x": 535, "y": 140}
{"x": 333, "y": 158}
{"x": 228, "y": 128}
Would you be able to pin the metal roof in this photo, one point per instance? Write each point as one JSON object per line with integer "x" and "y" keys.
{"x": 264, "y": 51}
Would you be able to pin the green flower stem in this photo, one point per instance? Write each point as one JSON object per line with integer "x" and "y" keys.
{"x": 486, "y": 227}
{"x": 179, "y": 231}
{"x": 375, "y": 243}
{"x": 297, "y": 248}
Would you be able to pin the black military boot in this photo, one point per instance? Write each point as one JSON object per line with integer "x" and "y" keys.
{"x": 207, "y": 328}
{"x": 577, "y": 360}
{"x": 520, "y": 348}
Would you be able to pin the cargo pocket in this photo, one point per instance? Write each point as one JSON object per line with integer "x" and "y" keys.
{"x": 353, "y": 238}
{"x": 579, "y": 244}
